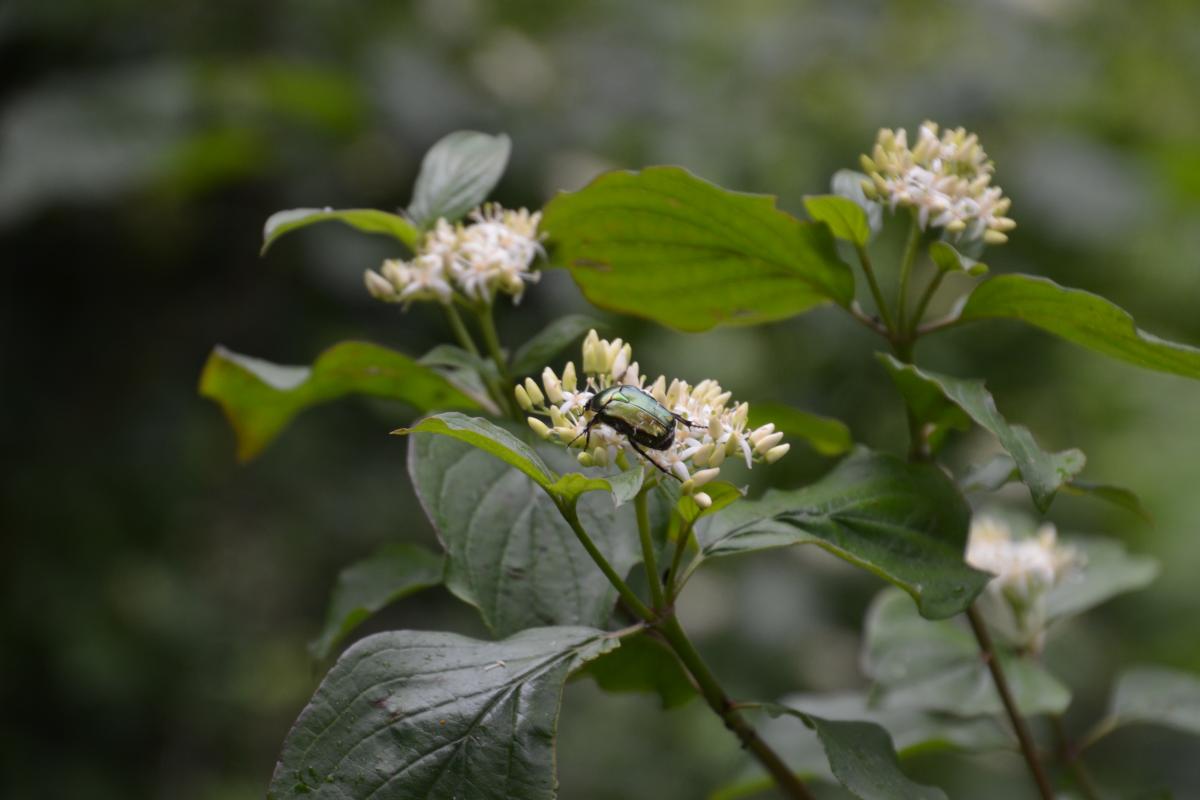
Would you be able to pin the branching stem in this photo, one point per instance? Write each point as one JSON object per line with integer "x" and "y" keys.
{"x": 1028, "y": 748}
{"x": 657, "y": 593}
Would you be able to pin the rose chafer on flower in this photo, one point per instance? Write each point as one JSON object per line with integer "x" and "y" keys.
{"x": 687, "y": 431}
{"x": 475, "y": 262}
{"x": 946, "y": 180}
{"x": 1026, "y": 569}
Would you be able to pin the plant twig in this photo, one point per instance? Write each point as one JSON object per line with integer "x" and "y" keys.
{"x": 627, "y": 594}
{"x": 460, "y": 330}
{"x": 864, "y": 258}
{"x": 1069, "y": 755}
{"x": 657, "y": 593}
{"x": 906, "y": 267}
{"x": 923, "y": 303}
{"x": 720, "y": 703}
{"x": 1028, "y": 748}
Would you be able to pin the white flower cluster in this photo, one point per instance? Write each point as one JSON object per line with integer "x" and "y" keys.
{"x": 1026, "y": 569}
{"x": 491, "y": 254}
{"x": 947, "y": 180}
{"x": 716, "y": 426}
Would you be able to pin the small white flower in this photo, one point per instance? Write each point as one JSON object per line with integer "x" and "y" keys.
{"x": 946, "y": 179}
{"x": 491, "y": 255}
{"x": 715, "y": 426}
{"x": 1026, "y": 569}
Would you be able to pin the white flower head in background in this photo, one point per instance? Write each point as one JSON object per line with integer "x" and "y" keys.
{"x": 946, "y": 180}
{"x": 490, "y": 255}
{"x": 710, "y": 427}
{"x": 1026, "y": 569}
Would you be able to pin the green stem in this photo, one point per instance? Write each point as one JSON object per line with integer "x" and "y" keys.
{"x": 681, "y": 543}
{"x": 864, "y": 258}
{"x": 720, "y": 703}
{"x": 906, "y": 267}
{"x": 487, "y": 324}
{"x": 1028, "y": 748}
{"x": 627, "y": 594}
{"x": 923, "y": 303}
{"x": 460, "y": 330}
{"x": 1069, "y": 754}
{"x": 657, "y": 594}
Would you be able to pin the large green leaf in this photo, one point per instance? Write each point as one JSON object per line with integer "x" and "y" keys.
{"x": 261, "y": 398}
{"x": 828, "y": 436}
{"x": 666, "y": 245}
{"x": 934, "y": 397}
{"x": 394, "y": 571}
{"x": 849, "y": 184}
{"x": 907, "y": 523}
{"x": 534, "y": 356}
{"x": 642, "y": 664}
{"x": 936, "y": 666}
{"x": 1156, "y": 696}
{"x": 911, "y": 731}
{"x": 369, "y": 220}
{"x": 1080, "y": 317}
{"x": 457, "y": 174}
{"x": 509, "y": 551}
{"x": 435, "y": 715}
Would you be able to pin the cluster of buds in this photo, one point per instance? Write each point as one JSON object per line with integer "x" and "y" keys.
{"x": 715, "y": 427}
{"x": 1026, "y": 569}
{"x": 946, "y": 180}
{"x": 490, "y": 255}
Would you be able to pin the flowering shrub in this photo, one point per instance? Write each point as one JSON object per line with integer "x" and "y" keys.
{"x": 543, "y": 545}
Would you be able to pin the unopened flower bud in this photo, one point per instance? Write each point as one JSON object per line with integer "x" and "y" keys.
{"x": 552, "y": 385}
{"x": 767, "y": 442}
{"x": 379, "y": 286}
{"x": 523, "y": 399}
{"x": 777, "y": 452}
{"x": 535, "y": 394}
{"x": 702, "y": 499}
{"x": 704, "y": 476}
{"x": 568, "y": 377}
{"x": 538, "y": 426}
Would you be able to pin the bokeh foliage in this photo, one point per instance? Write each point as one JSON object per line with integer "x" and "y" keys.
{"x": 157, "y": 597}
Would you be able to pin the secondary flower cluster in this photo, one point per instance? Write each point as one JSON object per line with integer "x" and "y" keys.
{"x": 717, "y": 430}
{"x": 947, "y": 180}
{"x": 492, "y": 254}
{"x": 1026, "y": 569}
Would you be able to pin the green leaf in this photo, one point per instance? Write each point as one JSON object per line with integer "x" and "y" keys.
{"x": 642, "y": 664}
{"x": 906, "y": 523}
{"x": 1001, "y": 469}
{"x": 912, "y": 732}
{"x": 849, "y": 184}
{"x": 721, "y": 493}
{"x": 846, "y": 219}
{"x": 533, "y": 356}
{"x": 457, "y": 174}
{"x": 435, "y": 715}
{"x": 509, "y": 551}
{"x": 491, "y": 439}
{"x": 947, "y": 259}
{"x": 1081, "y": 317}
{"x": 666, "y": 245}
{"x": 1156, "y": 696}
{"x": 368, "y": 220}
{"x": 933, "y": 398}
{"x": 498, "y": 442}
{"x": 935, "y": 666}
{"x": 393, "y": 572}
{"x": 828, "y": 436}
{"x": 261, "y": 398}
{"x": 862, "y": 758}
{"x": 1108, "y": 570}
{"x": 467, "y": 371}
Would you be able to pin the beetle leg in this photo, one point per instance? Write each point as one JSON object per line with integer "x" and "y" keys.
{"x": 685, "y": 421}
{"x": 646, "y": 456}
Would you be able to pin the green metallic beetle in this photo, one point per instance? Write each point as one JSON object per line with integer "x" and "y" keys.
{"x": 637, "y": 416}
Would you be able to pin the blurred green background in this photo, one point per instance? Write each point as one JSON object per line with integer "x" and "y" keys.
{"x": 158, "y": 597}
